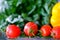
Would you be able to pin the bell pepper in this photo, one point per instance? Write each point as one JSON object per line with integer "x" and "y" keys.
{"x": 55, "y": 18}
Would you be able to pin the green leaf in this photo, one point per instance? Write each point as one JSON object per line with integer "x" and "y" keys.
{"x": 24, "y": 15}
{"x": 14, "y": 18}
{"x": 39, "y": 3}
{"x": 32, "y": 10}
{"x": 35, "y": 17}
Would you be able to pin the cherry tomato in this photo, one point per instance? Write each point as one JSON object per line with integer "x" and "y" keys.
{"x": 30, "y": 29}
{"x": 56, "y": 32}
{"x": 13, "y": 31}
{"x": 45, "y": 30}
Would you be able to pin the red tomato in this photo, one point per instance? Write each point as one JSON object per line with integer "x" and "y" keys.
{"x": 56, "y": 32}
{"x": 30, "y": 29}
{"x": 13, "y": 31}
{"x": 45, "y": 30}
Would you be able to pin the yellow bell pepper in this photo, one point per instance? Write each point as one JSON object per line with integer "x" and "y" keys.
{"x": 55, "y": 18}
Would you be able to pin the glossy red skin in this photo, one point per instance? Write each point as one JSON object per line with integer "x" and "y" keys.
{"x": 28, "y": 26}
{"x": 56, "y": 32}
{"x": 13, "y": 31}
{"x": 45, "y": 30}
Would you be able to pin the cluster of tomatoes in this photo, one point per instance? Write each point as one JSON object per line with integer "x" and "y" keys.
{"x": 31, "y": 29}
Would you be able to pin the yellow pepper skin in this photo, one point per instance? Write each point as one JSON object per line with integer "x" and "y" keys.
{"x": 55, "y": 18}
